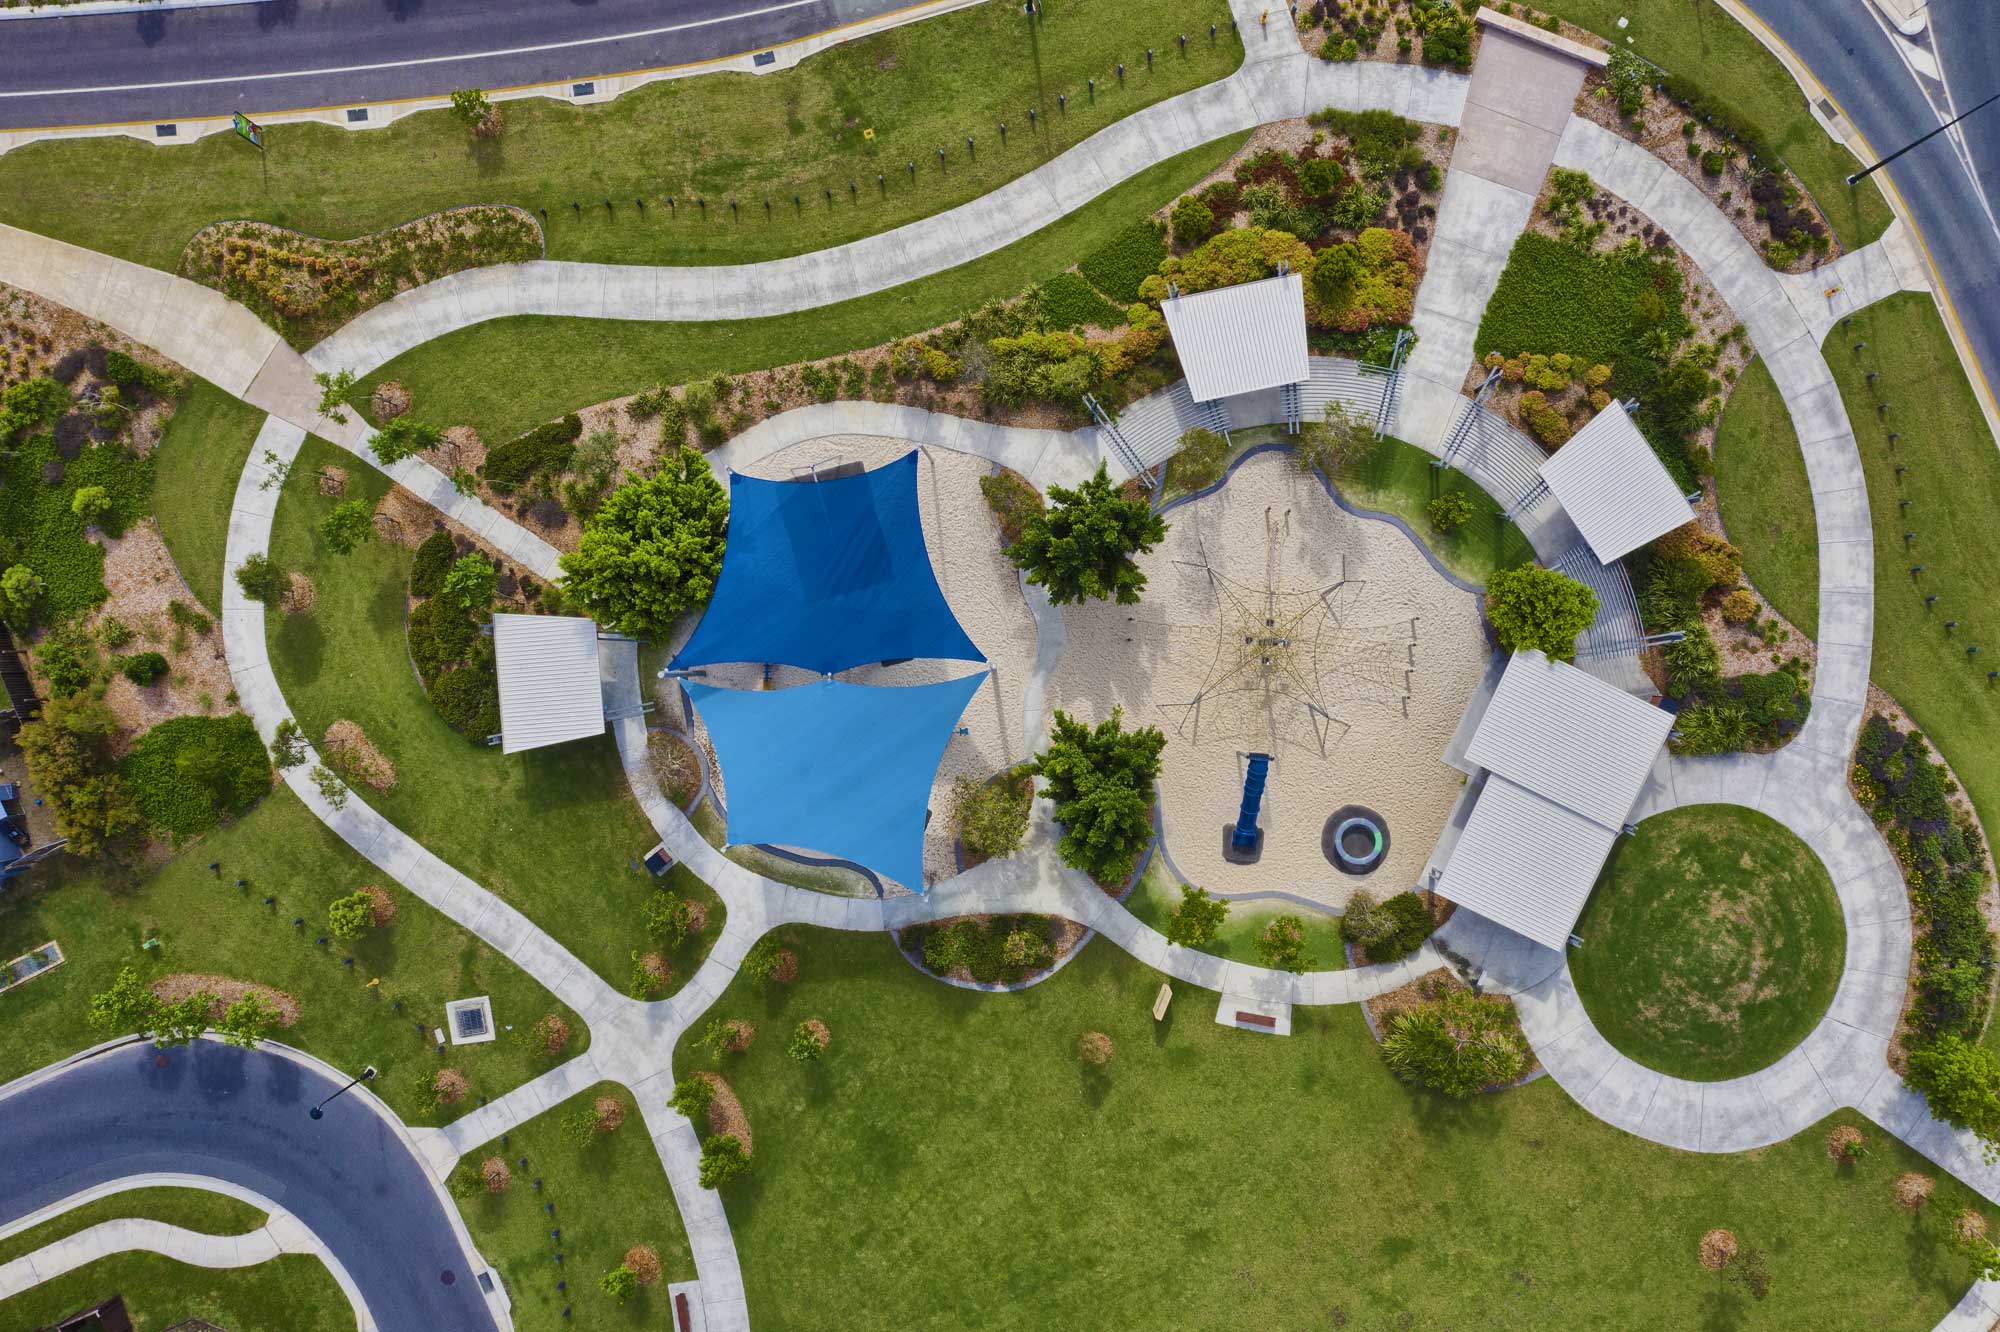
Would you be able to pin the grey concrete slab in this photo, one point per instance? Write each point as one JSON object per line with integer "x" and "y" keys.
{"x": 1524, "y": 80}
{"x": 1877, "y": 895}
{"x": 1794, "y": 1093}
{"x": 1842, "y": 515}
{"x": 1503, "y": 150}
{"x": 1674, "y": 1116}
{"x": 1842, "y": 672}
{"x": 1868, "y": 1000}
{"x": 1848, "y": 566}
{"x": 1735, "y": 1117}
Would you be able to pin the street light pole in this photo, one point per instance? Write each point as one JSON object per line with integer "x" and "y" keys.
{"x": 319, "y": 1111}
{"x": 1871, "y": 170}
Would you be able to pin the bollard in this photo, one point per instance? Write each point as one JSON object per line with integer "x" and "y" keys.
{"x": 1003, "y": 134}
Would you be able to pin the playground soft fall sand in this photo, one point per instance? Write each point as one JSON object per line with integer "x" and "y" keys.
{"x": 1391, "y": 625}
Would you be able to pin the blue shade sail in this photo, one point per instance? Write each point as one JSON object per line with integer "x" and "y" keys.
{"x": 838, "y": 768}
{"x": 826, "y": 575}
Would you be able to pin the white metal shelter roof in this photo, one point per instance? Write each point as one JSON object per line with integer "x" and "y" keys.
{"x": 1570, "y": 737}
{"x": 1241, "y": 339}
{"x": 549, "y": 689}
{"x": 1526, "y": 862}
{"x": 1614, "y": 487}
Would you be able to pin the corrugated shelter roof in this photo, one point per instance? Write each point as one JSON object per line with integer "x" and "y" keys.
{"x": 549, "y": 689}
{"x": 826, "y": 575}
{"x": 1525, "y": 862}
{"x": 1571, "y": 737}
{"x": 1614, "y": 487}
{"x": 843, "y": 769}
{"x": 1241, "y": 339}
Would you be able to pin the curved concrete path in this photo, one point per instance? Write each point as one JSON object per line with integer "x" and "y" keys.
{"x": 281, "y": 1233}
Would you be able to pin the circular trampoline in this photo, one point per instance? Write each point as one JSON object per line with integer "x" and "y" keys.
{"x": 1355, "y": 839}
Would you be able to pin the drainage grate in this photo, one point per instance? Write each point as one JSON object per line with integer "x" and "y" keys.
{"x": 470, "y": 1022}
{"x": 582, "y": 89}
{"x": 356, "y": 114}
{"x": 764, "y": 58}
{"x": 165, "y": 131}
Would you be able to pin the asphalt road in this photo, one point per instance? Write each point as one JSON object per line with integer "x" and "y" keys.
{"x": 241, "y": 1116}
{"x": 1851, "y": 55}
{"x": 287, "y": 55}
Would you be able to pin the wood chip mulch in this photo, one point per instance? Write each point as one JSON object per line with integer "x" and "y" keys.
{"x": 227, "y": 990}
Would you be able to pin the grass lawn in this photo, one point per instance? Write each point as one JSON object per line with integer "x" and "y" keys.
{"x": 195, "y": 469}
{"x": 291, "y": 1293}
{"x": 198, "y": 1210}
{"x": 1555, "y": 297}
{"x": 1761, "y": 484}
{"x": 1953, "y": 486}
{"x": 101, "y": 914}
{"x": 1697, "y": 40}
{"x": 1158, "y": 893}
{"x": 998, "y": 1186}
{"x": 1398, "y": 478}
{"x": 553, "y": 831}
{"x": 918, "y": 88}
{"x": 608, "y": 1196}
{"x": 1713, "y": 943}
{"x": 505, "y": 375}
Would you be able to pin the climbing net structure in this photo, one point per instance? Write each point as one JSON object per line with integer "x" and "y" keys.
{"x": 1290, "y": 662}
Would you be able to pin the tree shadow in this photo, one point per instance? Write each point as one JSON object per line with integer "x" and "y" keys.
{"x": 400, "y": 10}
{"x": 1724, "y": 1311}
{"x": 151, "y": 27}
{"x": 277, "y": 13}
{"x": 1096, "y": 1083}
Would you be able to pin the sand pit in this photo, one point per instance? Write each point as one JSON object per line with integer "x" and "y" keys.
{"x": 984, "y": 591}
{"x": 1335, "y": 698}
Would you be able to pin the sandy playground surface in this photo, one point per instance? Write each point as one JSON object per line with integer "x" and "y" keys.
{"x": 984, "y": 591}
{"x": 1376, "y": 656}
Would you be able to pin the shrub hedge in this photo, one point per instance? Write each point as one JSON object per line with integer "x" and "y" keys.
{"x": 547, "y": 448}
{"x": 1067, "y": 301}
{"x": 1118, "y": 266}
{"x": 431, "y": 563}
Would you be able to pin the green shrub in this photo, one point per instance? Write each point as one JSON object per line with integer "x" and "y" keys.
{"x": 1449, "y": 45}
{"x": 1540, "y": 609}
{"x": 1358, "y": 206}
{"x": 673, "y": 423}
{"x": 722, "y": 1159}
{"x": 1193, "y": 221}
{"x": 1714, "y": 162}
{"x": 1013, "y": 501}
{"x": 653, "y": 550}
{"x": 431, "y": 563}
{"x": 349, "y": 917}
{"x": 1282, "y": 945}
{"x": 261, "y": 579}
{"x": 1710, "y": 729}
{"x": 547, "y": 448}
{"x": 621, "y": 1283}
{"x": 1449, "y": 511}
{"x": 1544, "y": 422}
{"x": 1379, "y": 138}
{"x": 90, "y": 503}
{"x": 1457, "y": 1044}
{"x": 691, "y": 1098}
{"x": 992, "y": 817}
{"x": 67, "y": 660}
{"x": 1081, "y": 549}
{"x": 189, "y": 773}
{"x": 39, "y": 526}
{"x": 440, "y": 637}
{"x": 1200, "y": 461}
{"x": 185, "y": 616}
{"x": 1118, "y": 266}
{"x": 1390, "y": 930}
{"x": 469, "y": 701}
{"x": 1319, "y": 177}
{"x": 142, "y": 668}
{"x": 1693, "y": 663}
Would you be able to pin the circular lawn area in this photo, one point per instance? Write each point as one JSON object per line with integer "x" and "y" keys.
{"x": 1712, "y": 944}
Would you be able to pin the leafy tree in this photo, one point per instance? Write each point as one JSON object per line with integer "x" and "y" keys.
{"x": 182, "y": 1023}
{"x": 1282, "y": 945}
{"x": 722, "y": 1159}
{"x": 334, "y": 386}
{"x": 350, "y": 523}
{"x": 127, "y": 1007}
{"x": 1023, "y": 948}
{"x": 1197, "y": 919}
{"x": 247, "y": 1021}
{"x": 262, "y": 579}
{"x": 1456, "y": 1044}
{"x": 948, "y": 947}
{"x": 90, "y": 503}
{"x": 288, "y": 745}
{"x": 349, "y": 917}
{"x": 69, "y": 761}
{"x": 1539, "y": 608}
{"x": 20, "y": 589}
{"x": 653, "y": 550}
{"x": 621, "y": 1283}
{"x": 992, "y": 817}
{"x": 1333, "y": 443}
{"x": 763, "y": 959}
{"x": 1961, "y": 1080}
{"x": 404, "y": 437}
{"x": 331, "y": 788}
{"x": 669, "y": 918}
{"x": 472, "y": 107}
{"x": 1082, "y": 547}
{"x": 472, "y": 584}
{"x": 1101, "y": 779}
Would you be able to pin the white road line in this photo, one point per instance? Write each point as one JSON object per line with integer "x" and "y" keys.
{"x": 419, "y": 60}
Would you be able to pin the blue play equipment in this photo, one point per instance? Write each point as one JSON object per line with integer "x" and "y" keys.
{"x": 1244, "y": 837}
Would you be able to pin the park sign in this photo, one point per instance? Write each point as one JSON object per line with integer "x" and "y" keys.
{"x": 249, "y": 129}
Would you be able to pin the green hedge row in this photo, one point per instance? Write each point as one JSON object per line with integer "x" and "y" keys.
{"x": 547, "y": 448}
